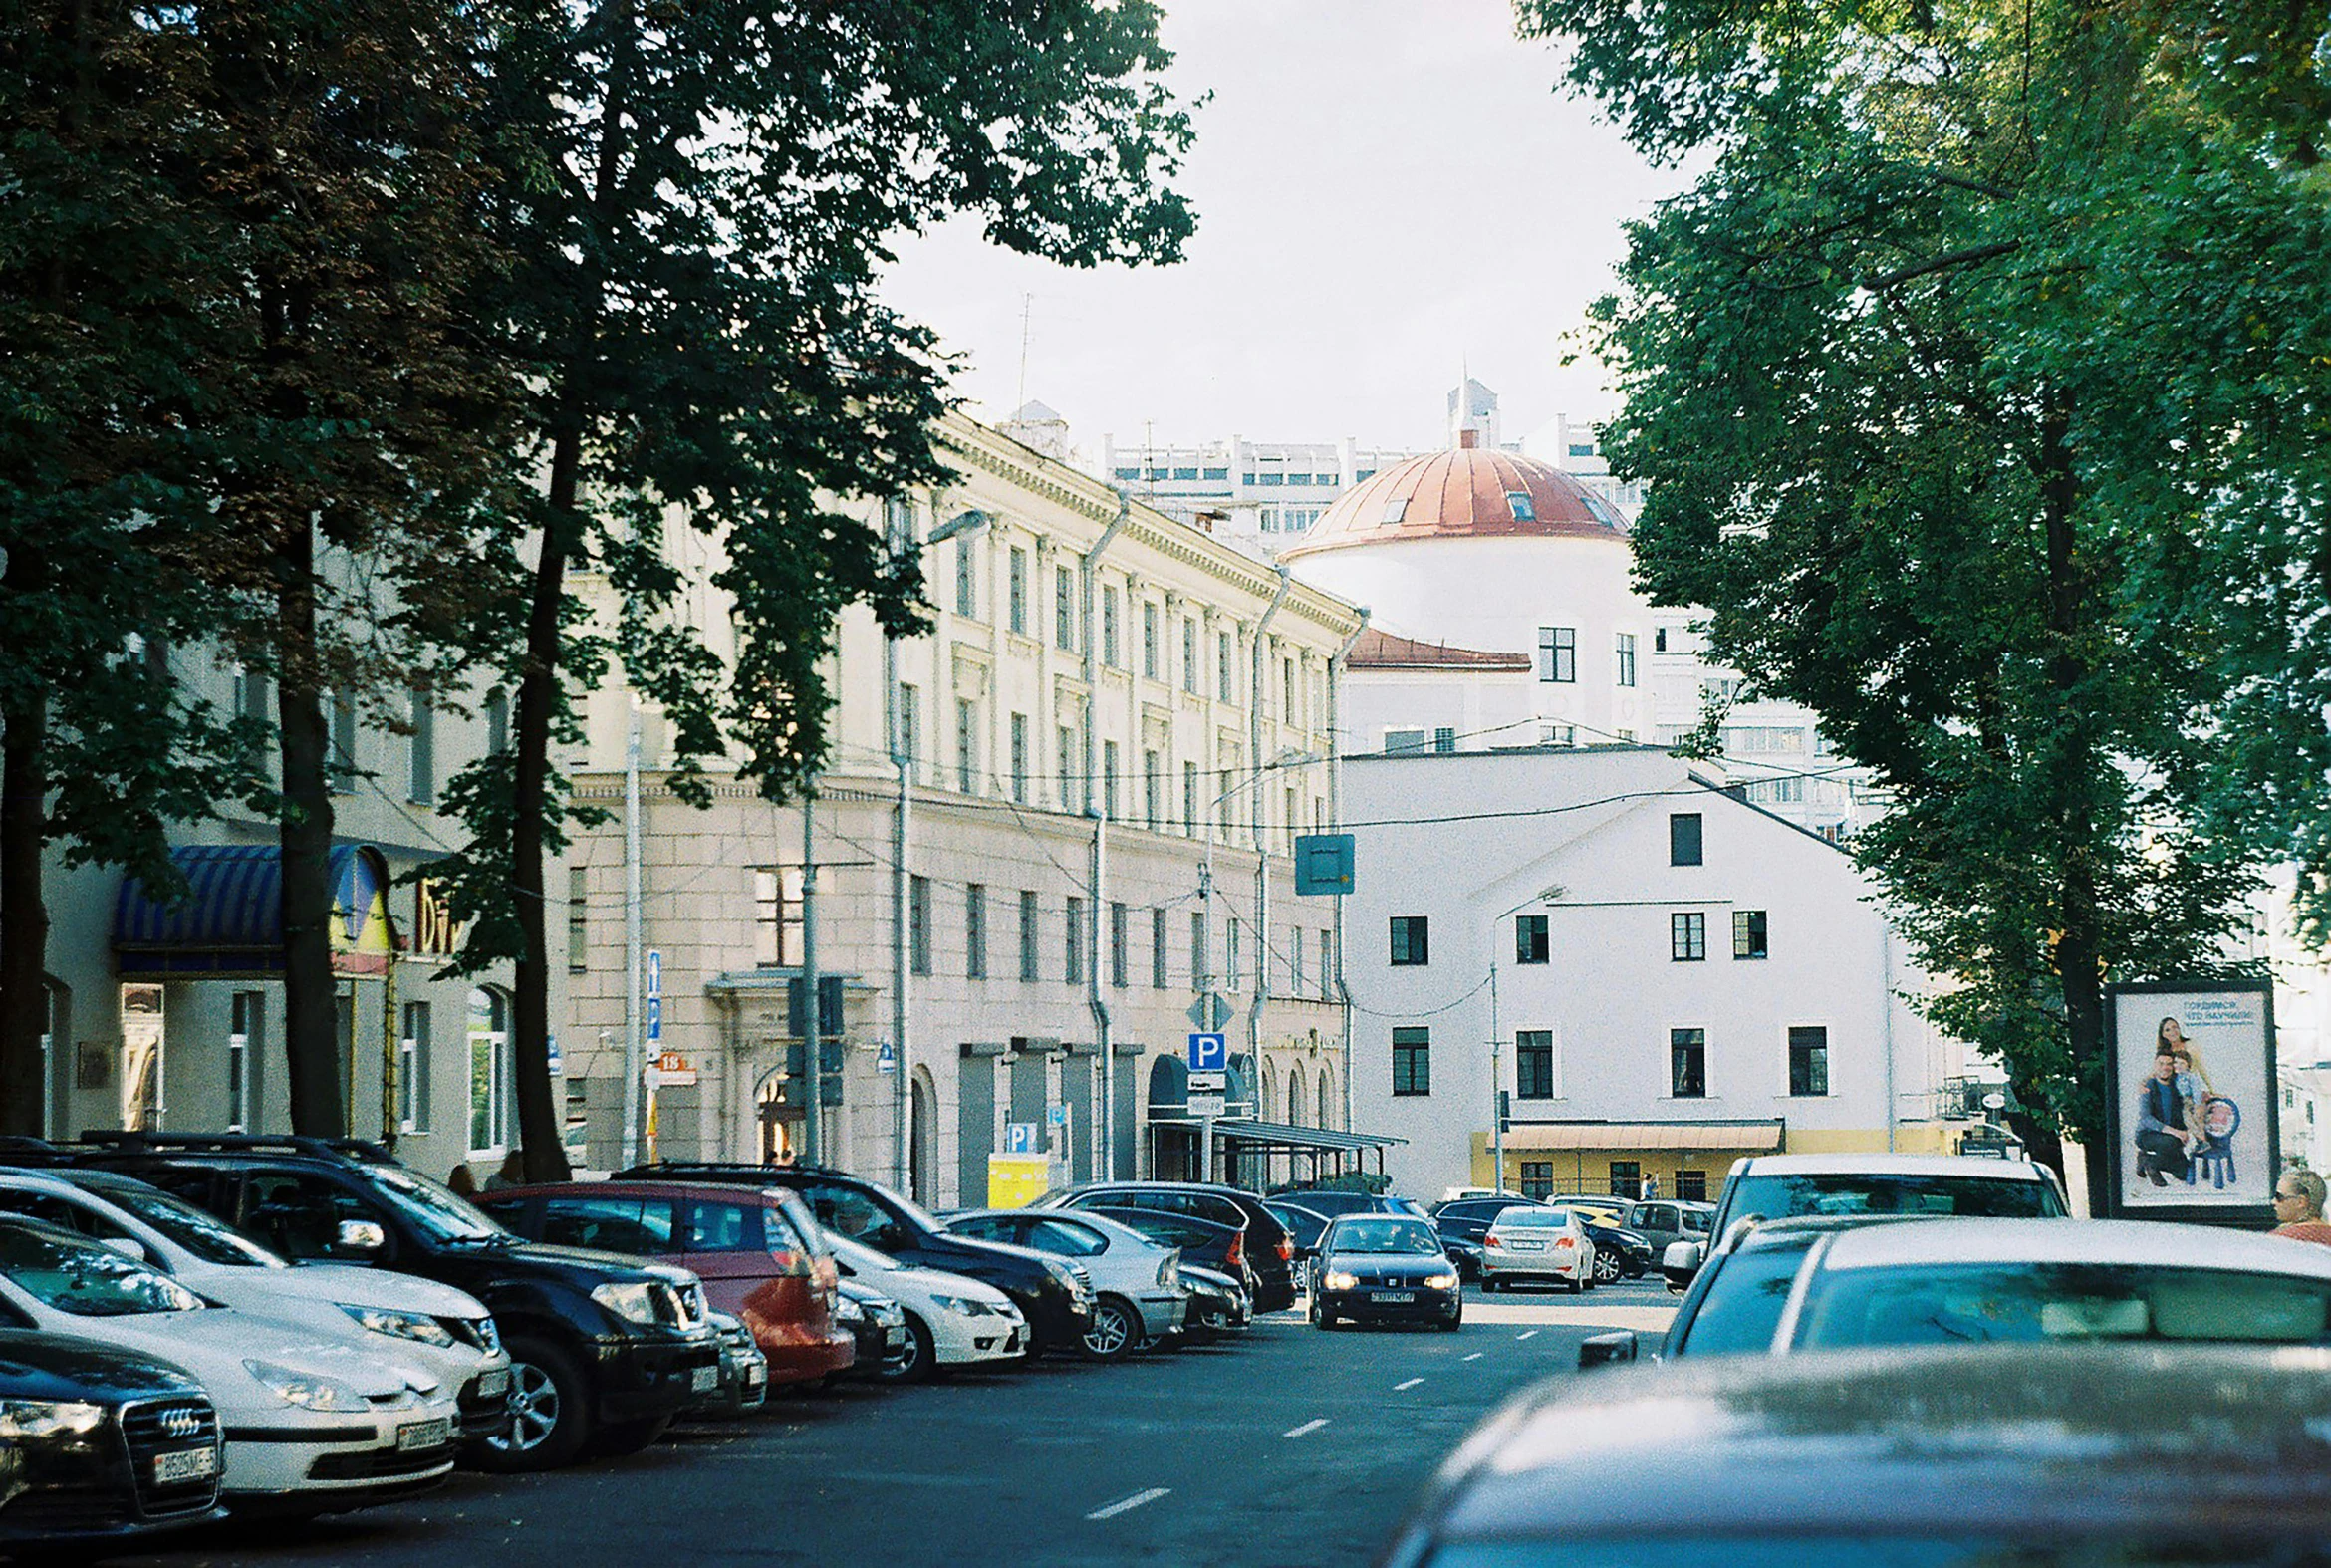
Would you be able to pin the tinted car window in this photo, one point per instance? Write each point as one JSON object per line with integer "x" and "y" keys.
{"x": 1742, "y": 1307}
{"x": 726, "y": 1227}
{"x": 849, "y": 1212}
{"x": 2052, "y": 1302}
{"x": 611, "y": 1224}
{"x": 1865, "y": 1193}
{"x": 298, "y": 1213}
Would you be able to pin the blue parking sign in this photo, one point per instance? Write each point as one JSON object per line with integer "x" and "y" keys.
{"x": 1210, "y": 1053}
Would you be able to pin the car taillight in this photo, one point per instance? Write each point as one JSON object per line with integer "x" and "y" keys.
{"x": 790, "y": 1263}
{"x": 1564, "y": 1242}
{"x": 1237, "y": 1253}
{"x": 1286, "y": 1251}
{"x": 1491, "y": 1241}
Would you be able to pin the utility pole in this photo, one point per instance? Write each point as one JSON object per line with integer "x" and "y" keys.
{"x": 635, "y": 1044}
{"x": 1497, "y": 1083}
{"x": 812, "y": 1146}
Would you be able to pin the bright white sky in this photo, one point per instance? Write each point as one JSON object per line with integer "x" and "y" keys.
{"x": 1387, "y": 190}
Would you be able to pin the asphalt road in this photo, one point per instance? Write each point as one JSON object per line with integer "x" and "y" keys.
{"x": 1290, "y": 1446}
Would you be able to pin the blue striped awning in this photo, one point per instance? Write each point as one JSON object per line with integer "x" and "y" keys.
{"x": 230, "y": 924}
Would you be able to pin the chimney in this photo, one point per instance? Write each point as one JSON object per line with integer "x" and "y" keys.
{"x": 1469, "y": 438}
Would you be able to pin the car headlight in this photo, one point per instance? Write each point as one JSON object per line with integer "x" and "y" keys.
{"x": 38, "y": 1419}
{"x": 968, "y": 1308}
{"x": 308, "y": 1389}
{"x": 398, "y": 1325}
{"x": 1446, "y": 1281}
{"x": 1065, "y": 1277}
{"x": 847, "y": 1310}
{"x": 635, "y": 1302}
{"x": 489, "y": 1334}
{"x": 1341, "y": 1279}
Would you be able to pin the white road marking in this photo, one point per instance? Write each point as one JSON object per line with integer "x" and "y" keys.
{"x": 1475, "y": 1356}
{"x": 1127, "y": 1504}
{"x": 1411, "y": 1382}
{"x": 1532, "y": 1334}
{"x": 1311, "y": 1426}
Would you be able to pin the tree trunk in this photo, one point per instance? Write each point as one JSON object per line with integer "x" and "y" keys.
{"x": 541, "y": 1135}
{"x": 24, "y": 914}
{"x": 311, "y": 1012}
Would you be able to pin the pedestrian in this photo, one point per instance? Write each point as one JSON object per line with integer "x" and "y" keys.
{"x": 2298, "y": 1204}
{"x": 511, "y": 1173}
{"x": 462, "y": 1181}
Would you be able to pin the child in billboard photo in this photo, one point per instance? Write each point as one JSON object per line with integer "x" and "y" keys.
{"x": 2192, "y": 1084}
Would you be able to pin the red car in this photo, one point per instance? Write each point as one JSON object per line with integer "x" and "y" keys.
{"x": 759, "y": 1253}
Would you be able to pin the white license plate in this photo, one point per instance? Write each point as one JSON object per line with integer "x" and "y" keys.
{"x": 754, "y": 1377}
{"x": 490, "y": 1383}
{"x": 1526, "y": 1247}
{"x": 188, "y": 1464}
{"x": 704, "y": 1380}
{"x": 1394, "y": 1296}
{"x": 415, "y": 1434}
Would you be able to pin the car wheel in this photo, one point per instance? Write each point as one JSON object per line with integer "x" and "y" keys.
{"x": 1606, "y": 1267}
{"x": 1453, "y": 1322}
{"x": 619, "y": 1438}
{"x": 920, "y": 1360}
{"x": 1488, "y": 1286}
{"x": 550, "y": 1413}
{"x": 1114, "y": 1329}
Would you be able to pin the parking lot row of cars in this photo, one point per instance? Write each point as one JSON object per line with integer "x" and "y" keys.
{"x": 195, "y": 1324}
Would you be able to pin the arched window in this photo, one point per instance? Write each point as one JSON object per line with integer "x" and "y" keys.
{"x": 1295, "y": 1096}
{"x": 1329, "y": 1111}
{"x": 492, "y": 1098}
{"x": 1270, "y": 1092}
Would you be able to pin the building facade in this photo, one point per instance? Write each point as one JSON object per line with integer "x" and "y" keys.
{"x": 1110, "y": 736}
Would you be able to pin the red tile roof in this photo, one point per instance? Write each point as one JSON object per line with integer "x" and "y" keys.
{"x": 1378, "y": 649}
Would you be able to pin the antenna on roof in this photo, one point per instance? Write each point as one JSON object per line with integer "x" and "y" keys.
{"x": 1027, "y": 309}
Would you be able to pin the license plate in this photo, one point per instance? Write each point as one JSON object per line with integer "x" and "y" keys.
{"x": 1392, "y": 1295}
{"x": 188, "y": 1464}
{"x": 490, "y": 1383}
{"x": 415, "y": 1434}
{"x": 754, "y": 1377}
{"x": 1527, "y": 1246}
{"x": 704, "y": 1380}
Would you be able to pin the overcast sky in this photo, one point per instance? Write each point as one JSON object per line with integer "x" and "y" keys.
{"x": 1387, "y": 190}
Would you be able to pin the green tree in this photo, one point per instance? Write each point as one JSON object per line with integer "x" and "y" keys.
{"x": 1901, "y": 443}
{"x": 700, "y": 198}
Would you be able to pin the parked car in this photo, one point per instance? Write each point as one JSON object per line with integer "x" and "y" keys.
{"x": 1137, "y": 1295}
{"x": 1218, "y": 1305}
{"x": 1734, "y": 1302}
{"x": 1618, "y": 1252}
{"x": 310, "y": 1426}
{"x": 1270, "y": 1251}
{"x": 1054, "y": 1296}
{"x": 1385, "y": 1268}
{"x": 1602, "y": 1208}
{"x": 744, "y": 1372}
{"x": 1304, "y": 1228}
{"x": 102, "y": 1444}
{"x": 1777, "y": 1185}
{"x": 759, "y": 1255}
{"x": 952, "y": 1320}
{"x": 1530, "y": 1243}
{"x": 603, "y": 1350}
{"x": 433, "y": 1326}
{"x": 1469, "y": 1218}
{"x": 878, "y": 1324}
{"x": 1203, "y": 1242}
{"x": 1661, "y": 1221}
{"x": 1334, "y": 1202}
{"x": 2043, "y": 1456}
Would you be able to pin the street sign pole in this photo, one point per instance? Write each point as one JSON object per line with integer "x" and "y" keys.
{"x": 814, "y": 1106}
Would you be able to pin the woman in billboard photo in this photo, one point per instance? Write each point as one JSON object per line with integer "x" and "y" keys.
{"x": 2192, "y": 1081}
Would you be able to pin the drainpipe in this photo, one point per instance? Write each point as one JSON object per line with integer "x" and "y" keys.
{"x": 1262, "y": 852}
{"x": 1096, "y": 808}
{"x": 1335, "y": 695}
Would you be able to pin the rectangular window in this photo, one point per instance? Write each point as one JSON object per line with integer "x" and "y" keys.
{"x": 1626, "y": 655}
{"x": 497, "y": 720}
{"x": 1691, "y": 1186}
{"x": 1688, "y": 938}
{"x": 1109, "y": 780}
{"x": 909, "y": 740}
{"x": 918, "y": 924}
{"x": 1558, "y": 653}
{"x": 1065, "y": 741}
{"x": 252, "y": 698}
{"x": 1295, "y": 961}
{"x": 1327, "y": 966}
{"x": 1063, "y": 608}
{"x": 975, "y": 931}
{"x": 967, "y": 577}
{"x": 1109, "y": 628}
{"x": 1684, "y": 839}
{"x": 246, "y": 1024}
{"x": 777, "y": 916}
{"x": 1533, "y": 1064}
{"x": 1808, "y": 1061}
{"x": 1748, "y": 934}
{"x": 1287, "y": 708}
{"x": 1158, "y": 980}
{"x": 1074, "y": 970}
{"x": 1402, "y": 742}
{"x": 1148, "y": 641}
{"x": 1152, "y": 791}
{"x": 1537, "y": 1178}
{"x": 967, "y": 747}
{"x": 1021, "y": 758}
{"x": 1233, "y": 971}
{"x": 1119, "y": 935}
{"x": 1018, "y": 590}
{"x": 1190, "y": 798}
{"x": 421, "y": 751}
{"x": 1202, "y": 973}
{"x": 1412, "y": 1060}
{"x": 1687, "y": 1063}
{"x": 1529, "y": 938}
{"x": 1190, "y": 663}
{"x": 1030, "y": 966}
{"x": 1626, "y": 1178}
{"x": 341, "y": 766}
{"x": 1410, "y": 940}
{"x": 1226, "y": 666}
{"x": 578, "y": 920}
{"x": 412, "y": 1069}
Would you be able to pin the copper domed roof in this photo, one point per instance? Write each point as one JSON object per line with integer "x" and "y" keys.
{"x": 1468, "y": 493}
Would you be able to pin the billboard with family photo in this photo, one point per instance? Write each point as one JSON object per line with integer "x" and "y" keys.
{"x": 2192, "y": 1098}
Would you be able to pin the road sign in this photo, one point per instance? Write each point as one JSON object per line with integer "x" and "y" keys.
{"x": 1016, "y": 1180}
{"x": 558, "y": 1060}
{"x": 885, "y": 1057}
{"x": 1210, "y": 1053}
{"x": 1207, "y": 1105}
{"x": 1214, "y": 1081}
{"x": 1020, "y": 1138}
{"x": 671, "y": 1070}
{"x": 1055, "y": 1116}
{"x": 655, "y": 973}
{"x": 1323, "y": 863}
{"x": 1210, "y": 1011}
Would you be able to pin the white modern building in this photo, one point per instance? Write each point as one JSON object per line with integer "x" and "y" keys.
{"x": 1657, "y": 976}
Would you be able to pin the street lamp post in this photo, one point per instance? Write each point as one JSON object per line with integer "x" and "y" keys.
{"x": 1545, "y": 894}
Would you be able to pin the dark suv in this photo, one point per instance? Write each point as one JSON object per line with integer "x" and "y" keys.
{"x": 602, "y": 1350}
{"x": 1270, "y": 1251}
{"x": 102, "y": 1444}
{"x": 1054, "y": 1296}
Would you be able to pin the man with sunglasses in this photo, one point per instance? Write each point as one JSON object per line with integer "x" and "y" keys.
{"x": 2298, "y": 1205}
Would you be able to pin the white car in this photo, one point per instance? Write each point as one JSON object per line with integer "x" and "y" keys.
{"x": 310, "y": 1425}
{"x": 1529, "y": 1243}
{"x": 950, "y": 1321}
{"x": 443, "y": 1331}
{"x": 1136, "y": 1284}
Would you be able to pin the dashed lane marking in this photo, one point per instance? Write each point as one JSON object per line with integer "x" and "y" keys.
{"x": 1475, "y": 1356}
{"x": 1311, "y": 1426}
{"x": 1411, "y": 1382}
{"x": 1532, "y": 1334}
{"x": 1128, "y": 1504}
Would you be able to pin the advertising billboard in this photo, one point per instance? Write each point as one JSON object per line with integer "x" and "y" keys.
{"x": 2192, "y": 1087}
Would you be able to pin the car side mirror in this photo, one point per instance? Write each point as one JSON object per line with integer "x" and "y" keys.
{"x": 1681, "y": 1262}
{"x": 1603, "y": 1350}
{"x": 361, "y": 1237}
{"x": 128, "y": 1246}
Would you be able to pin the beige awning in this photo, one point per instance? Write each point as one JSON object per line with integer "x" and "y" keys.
{"x": 1740, "y": 1136}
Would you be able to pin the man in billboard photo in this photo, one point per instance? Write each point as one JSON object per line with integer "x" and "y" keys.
{"x": 2160, "y": 1123}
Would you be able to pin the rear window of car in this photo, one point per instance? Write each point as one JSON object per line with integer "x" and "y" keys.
{"x": 2053, "y": 1302}
{"x": 730, "y": 1227}
{"x": 1534, "y": 1219}
{"x": 1865, "y": 1193}
{"x": 639, "y": 1227}
{"x": 1742, "y": 1307}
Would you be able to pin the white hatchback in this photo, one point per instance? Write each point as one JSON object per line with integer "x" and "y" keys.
{"x": 310, "y": 1425}
{"x": 1530, "y": 1243}
{"x": 950, "y": 1321}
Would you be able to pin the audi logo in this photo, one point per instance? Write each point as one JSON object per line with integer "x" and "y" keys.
{"x": 181, "y": 1422}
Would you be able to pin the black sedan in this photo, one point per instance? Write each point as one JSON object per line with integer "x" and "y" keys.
{"x": 2036, "y": 1456}
{"x": 99, "y": 1444}
{"x": 1385, "y": 1268}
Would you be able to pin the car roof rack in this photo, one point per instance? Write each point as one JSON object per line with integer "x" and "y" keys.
{"x": 680, "y": 1170}
{"x": 134, "y": 1141}
{"x": 31, "y": 1153}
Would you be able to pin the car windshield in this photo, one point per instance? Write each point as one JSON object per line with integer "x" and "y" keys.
{"x": 1947, "y": 1304}
{"x": 204, "y": 1234}
{"x": 84, "y": 1279}
{"x": 437, "y": 1210}
{"x": 1743, "y": 1306}
{"x": 1383, "y": 1235}
{"x": 1868, "y": 1192}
